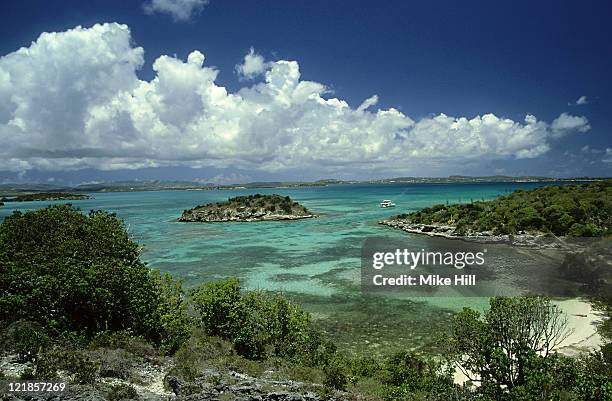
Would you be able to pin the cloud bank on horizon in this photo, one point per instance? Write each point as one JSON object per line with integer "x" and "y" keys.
{"x": 73, "y": 100}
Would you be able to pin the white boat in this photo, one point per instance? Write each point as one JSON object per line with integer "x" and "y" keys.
{"x": 386, "y": 203}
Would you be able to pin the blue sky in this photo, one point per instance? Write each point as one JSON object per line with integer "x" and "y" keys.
{"x": 469, "y": 87}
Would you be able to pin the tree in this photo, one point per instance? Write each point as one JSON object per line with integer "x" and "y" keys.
{"x": 498, "y": 348}
{"x": 75, "y": 272}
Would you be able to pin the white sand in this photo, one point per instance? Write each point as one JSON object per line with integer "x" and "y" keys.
{"x": 582, "y": 320}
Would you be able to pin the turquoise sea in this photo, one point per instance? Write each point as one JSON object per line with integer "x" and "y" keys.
{"x": 316, "y": 261}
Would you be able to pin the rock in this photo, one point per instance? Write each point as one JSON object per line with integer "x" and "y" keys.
{"x": 175, "y": 384}
{"x": 200, "y": 396}
{"x": 537, "y": 240}
{"x": 279, "y": 395}
{"x": 241, "y": 389}
{"x": 92, "y": 396}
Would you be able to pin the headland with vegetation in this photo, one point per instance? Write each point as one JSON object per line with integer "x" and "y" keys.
{"x": 523, "y": 217}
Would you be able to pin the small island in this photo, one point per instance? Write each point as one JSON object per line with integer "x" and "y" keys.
{"x": 522, "y": 218}
{"x": 248, "y": 208}
{"x": 45, "y": 196}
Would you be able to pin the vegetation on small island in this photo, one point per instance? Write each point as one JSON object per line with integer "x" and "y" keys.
{"x": 45, "y": 196}
{"x": 575, "y": 210}
{"x": 78, "y": 304}
{"x": 248, "y": 208}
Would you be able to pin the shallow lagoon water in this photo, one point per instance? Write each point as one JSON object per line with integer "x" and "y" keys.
{"x": 316, "y": 261}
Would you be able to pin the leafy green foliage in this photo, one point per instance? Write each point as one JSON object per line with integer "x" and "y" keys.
{"x": 335, "y": 374}
{"x": 509, "y": 351}
{"x": 514, "y": 331}
{"x": 125, "y": 340}
{"x": 579, "y": 210}
{"x": 25, "y": 338}
{"x": 82, "y": 369}
{"x": 81, "y": 273}
{"x": 259, "y": 324}
{"x": 120, "y": 392}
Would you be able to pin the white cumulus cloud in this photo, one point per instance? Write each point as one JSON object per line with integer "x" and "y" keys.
{"x": 253, "y": 65}
{"x": 566, "y": 123}
{"x": 179, "y": 10}
{"x": 73, "y": 100}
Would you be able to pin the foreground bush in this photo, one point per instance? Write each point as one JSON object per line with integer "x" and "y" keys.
{"x": 259, "y": 324}
{"x": 510, "y": 351}
{"x": 80, "y": 273}
{"x": 25, "y": 338}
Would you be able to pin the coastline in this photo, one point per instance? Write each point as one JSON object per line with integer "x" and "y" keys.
{"x": 583, "y": 320}
{"x": 536, "y": 241}
{"x": 249, "y": 219}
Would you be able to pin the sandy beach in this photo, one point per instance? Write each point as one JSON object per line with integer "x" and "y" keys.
{"x": 583, "y": 320}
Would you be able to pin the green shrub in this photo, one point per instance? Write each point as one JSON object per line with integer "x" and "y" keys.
{"x": 125, "y": 340}
{"x": 217, "y": 304}
{"x": 81, "y": 273}
{"x": 259, "y": 324}
{"x": 171, "y": 314}
{"x": 510, "y": 349}
{"x": 198, "y": 353}
{"x": 25, "y": 338}
{"x": 365, "y": 367}
{"x": 115, "y": 363}
{"x": 27, "y": 374}
{"x": 120, "y": 392}
{"x": 336, "y": 374}
{"x": 404, "y": 368}
{"x": 82, "y": 368}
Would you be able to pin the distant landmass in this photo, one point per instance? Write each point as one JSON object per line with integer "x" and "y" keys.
{"x": 45, "y": 196}
{"x": 160, "y": 185}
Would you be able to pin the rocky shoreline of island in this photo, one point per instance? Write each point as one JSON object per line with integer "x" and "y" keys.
{"x": 249, "y": 208}
{"x": 527, "y": 240}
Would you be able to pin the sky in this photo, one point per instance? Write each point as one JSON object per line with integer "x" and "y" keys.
{"x": 240, "y": 91}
